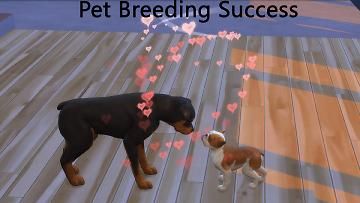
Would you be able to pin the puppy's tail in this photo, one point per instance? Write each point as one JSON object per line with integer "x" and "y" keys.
{"x": 61, "y": 105}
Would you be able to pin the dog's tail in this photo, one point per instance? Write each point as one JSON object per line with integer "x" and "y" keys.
{"x": 61, "y": 105}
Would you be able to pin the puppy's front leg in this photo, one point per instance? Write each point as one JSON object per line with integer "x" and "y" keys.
{"x": 226, "y": 181}
{"x": 132, "y": 152}
{"x": 146, "y": 167}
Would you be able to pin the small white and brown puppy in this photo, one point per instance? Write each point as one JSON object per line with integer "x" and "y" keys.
{"x": 228, "y": 159}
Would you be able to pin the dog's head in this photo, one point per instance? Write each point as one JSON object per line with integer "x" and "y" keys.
{"x": 214, "y": 139}
{"x": 182, "y": 115}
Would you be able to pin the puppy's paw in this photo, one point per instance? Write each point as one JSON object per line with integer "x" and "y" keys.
{"x": 77, "y": 180}
{"x": 253, "y": 185}
{"x": 221, "y": 188}
{"x": 221, "y": 178}
{"x": 76, "y": 169}
{"x": 145, "y": 184}
{"x": 150, "y": 170}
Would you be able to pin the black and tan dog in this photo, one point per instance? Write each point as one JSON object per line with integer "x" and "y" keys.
{"x": 122, "y": 116}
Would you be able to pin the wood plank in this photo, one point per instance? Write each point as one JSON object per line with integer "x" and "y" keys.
{"x": 352, "y": 54}
{"x": 331, "y": 122}
{"x": 12, "y": 38}
{"x": 311, "y": 146}
{"x": 174, "y": 172}
{"x": 280, "y": 129}
{"x": 252, "y": 111}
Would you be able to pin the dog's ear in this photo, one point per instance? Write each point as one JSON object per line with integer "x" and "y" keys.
{"x": 223, "y": 131}
{"x": 220, "y": 144}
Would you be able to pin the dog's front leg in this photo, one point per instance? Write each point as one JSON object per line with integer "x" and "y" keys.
{"x": 146, "y": 167}
{"x": 132, "y": 152}
{"x": 226, "y": 181}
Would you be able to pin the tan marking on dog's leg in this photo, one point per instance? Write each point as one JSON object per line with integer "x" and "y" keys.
{"x": 72, "y": 176}
{"x": 146, "y": 167}
{"x": 141, "y": 181}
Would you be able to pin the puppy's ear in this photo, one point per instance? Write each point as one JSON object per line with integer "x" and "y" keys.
{"x": 220, "y": 144}
{"x": 223, "y": 132}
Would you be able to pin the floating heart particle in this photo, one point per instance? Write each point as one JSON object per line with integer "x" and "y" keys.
{"x": 147, "y": 20}
{"x": 200, "y": 40}
{"x": 153, "y": 78}
{"x": 146, "y": 31}
{"x": 139, "y": 82}
{"x": 230, "y": 37}
{"x": 178, "y": 144}
{"x": 155, "y": 146}
{"x": 246, "y": 77}
{"x": 148, "y": 49}
{"x": 232, "y": 107}
{"x": 188, "y": 27}
{"x": 237, "y": 36}
{"x": 141, "y": 106}
{"x": 144, "y": 125}
{"x": 222, "y": 34}
{"x": 186, "y": 162}
{"x": 163, "y": 155}
{"x": 147, "y": 96}
{"x": 147, "y": 112}
{"x": 242, "y": 94}
{"x": 149, "y": 104}
{"x": 180, "y": 44}
{"x": 160, "y": 67}
{"x": 226, "y": 123}
{"x": 143, "y": 58}
{"x": 239, "y": 66}
{"x": 106, "y": 118}
{"x": 211, "y": 37}
{"x": 170, "y": 58}
{"x": 158, "y": 57}
{"x": 192, "y": 41}
{"x": 141, "y": 73}
{"x": 126, "y": 162}
{"x": 252, "y": 59}
{"x": 219, "y": 63}
{"x": 251, "y": 65}
{"x": 197, "y": 63}
{"x": 194, "y": 136}
{"x": 174, "y": 49}
{"x": 154, "y": 26}
{"x": 168, "y": 144}
{"x": 142, "y": 38}
{"x": 215, "y": 115}
{"x": 176, "y": 58}
{"x": 175, "y": 28}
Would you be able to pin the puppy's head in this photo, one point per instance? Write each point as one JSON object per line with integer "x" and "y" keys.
{"x": 182, "y": 115}
{"x": 214, "y": 139}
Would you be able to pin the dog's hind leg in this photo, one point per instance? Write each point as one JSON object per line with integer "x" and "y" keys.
{"x": 226, "y": 181}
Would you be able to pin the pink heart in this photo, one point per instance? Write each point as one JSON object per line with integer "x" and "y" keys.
{"x": 154, "y": 26}
{"x": 215, "y": 115}
{"x": 163, "y": 155}
{"x": 158, "y": 57}
{"x": 143, "y": 58}
{"x": 170, "y": 58}
{"x": 239, "y": 66}
{"x": 141, "y": 73}
{"x": 146, "y": 31}
{"x": 180, "y": 44}
{"x": 147, "y": 20}
{"x": 246, "y": 76}
{"x": 141, "y": 106}
{"x": 219, "y": 63}
{"x": 168, "y": 144}
{"x": 232, "y": 107}
{"x": 147, "y": 112}
{"x": 144, "y": 125}
{"x": 139, "y": 82}
{"x": 237, "y": 36}
{"x": 148, "y": 49}
{"x": 153, "y": 78}
{"x": 242, "y": 94}
{"x": 226, "y": 123}
{"x": 155, "y": 146}
{"x": 211, "y": 37}
{"x": 147, "y": 96}
{"x": 230, "y": 37}
{"x": 174, "y": 49}
{"x": 176, "y": 58}
{"x": 197, "y": 63}
{"x": 149, "y": 104}
{"x": 200, "y": 40}
{"x": 192, "y": 41}
{"x": 188, "y": 27}
{"x": 251, "y": 65}
{"x": 252, "y": 59}
{"x": 126, "y": 163}
{"x": 178, "y": 144}
{"x": 194, "y": 136}
{"x": 222, "y": 34}
{"x": 106, "y": 118}
{"x": 160, "y": 67}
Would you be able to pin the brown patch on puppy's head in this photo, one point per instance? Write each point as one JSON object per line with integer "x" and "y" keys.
{"x": 214, "y": 140}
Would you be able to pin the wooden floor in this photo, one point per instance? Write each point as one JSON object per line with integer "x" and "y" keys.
{"x": 302, "y": 110}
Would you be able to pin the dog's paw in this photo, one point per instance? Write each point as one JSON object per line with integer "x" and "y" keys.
{"x": 77, "y": 180}
{"x": 150, "y": 170}
{"x": 221, "y": 178}
{"x": 76, "y": 169}
{"x": 253, "y": 185}
{"x": 145, "y": 184}
{"x": 221, "y": 188}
